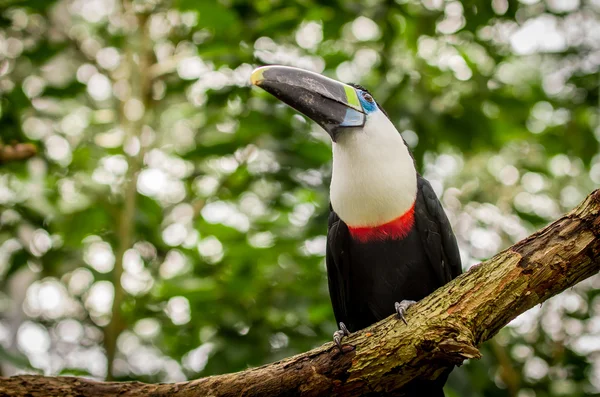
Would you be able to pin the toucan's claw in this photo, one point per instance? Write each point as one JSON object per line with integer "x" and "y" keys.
{"x": 339, "y": 335}
{"x": 402, "y": 307}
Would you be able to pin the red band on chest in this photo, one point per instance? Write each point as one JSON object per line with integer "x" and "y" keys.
{"x": 395, "y": 229}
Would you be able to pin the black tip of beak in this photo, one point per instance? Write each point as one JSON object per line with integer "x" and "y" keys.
{"x": 256, "y": 78}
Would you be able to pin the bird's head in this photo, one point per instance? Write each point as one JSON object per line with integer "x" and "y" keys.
{"x": 333, "y": 105}
{"x": 373, "y": 177}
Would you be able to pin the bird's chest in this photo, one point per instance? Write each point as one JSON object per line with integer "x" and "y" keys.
{"x": 391, "y": 270}
{"x": 373, "y": 180}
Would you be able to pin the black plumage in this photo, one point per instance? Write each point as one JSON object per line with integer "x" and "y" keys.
{"x": 367, "y": 278}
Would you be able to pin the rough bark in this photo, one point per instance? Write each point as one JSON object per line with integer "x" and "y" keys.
{"x": 443, "y": 329}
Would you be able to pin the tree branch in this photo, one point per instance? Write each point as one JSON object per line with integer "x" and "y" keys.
{"x": 443, "y": 329}
{"x": 16, "y": 152}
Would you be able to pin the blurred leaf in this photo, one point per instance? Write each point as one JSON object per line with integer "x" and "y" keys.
{"x": 18, "y": 360}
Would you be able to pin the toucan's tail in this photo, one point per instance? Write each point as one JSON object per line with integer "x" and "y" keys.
{"x": 421, "y": 389}
{"x": 425, "y": 388}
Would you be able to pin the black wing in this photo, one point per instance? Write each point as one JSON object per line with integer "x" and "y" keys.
{"x": 338, "y": 266}
{"x": 436, "y": 233}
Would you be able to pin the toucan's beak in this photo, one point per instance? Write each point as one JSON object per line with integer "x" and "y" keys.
{"x": 333, "y": 105}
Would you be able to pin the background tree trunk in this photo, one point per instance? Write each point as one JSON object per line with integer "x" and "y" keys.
{"x": 444, "y": 329}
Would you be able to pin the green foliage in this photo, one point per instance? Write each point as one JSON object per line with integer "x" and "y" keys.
{"x": 226, "y": 269}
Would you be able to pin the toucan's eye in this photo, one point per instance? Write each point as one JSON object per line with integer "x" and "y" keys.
{"x": 368, "y": 97}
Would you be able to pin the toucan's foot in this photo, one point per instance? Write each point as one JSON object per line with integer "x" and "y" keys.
{"x": 402, "y": 307}
{"x": 339, "y": 335}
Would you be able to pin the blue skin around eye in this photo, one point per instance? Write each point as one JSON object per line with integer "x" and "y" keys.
{"x": 355, "y": 118}
{"x": 368, "y": 107}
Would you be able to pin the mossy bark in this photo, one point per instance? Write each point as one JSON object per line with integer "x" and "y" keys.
{"x": 443, "y": 329}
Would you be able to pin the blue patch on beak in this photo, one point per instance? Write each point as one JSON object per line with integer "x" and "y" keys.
{"x": 353, "y": 118}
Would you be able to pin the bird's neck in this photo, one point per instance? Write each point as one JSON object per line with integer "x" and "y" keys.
{"x": 374, "y": 181}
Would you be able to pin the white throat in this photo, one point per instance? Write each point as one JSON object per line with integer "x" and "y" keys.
{"x": 374, "y": 179}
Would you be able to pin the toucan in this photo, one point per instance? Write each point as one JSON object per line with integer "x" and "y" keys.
{"x": 389, "y": 241}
